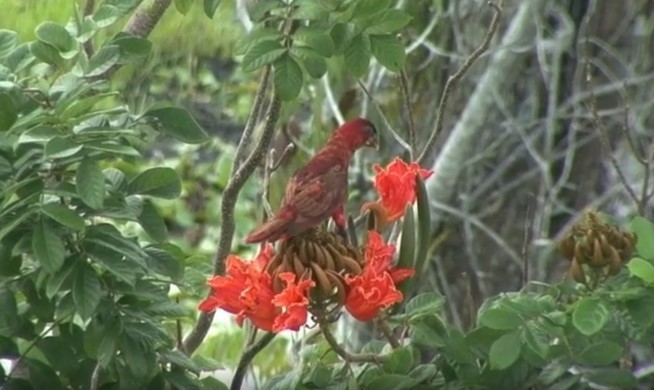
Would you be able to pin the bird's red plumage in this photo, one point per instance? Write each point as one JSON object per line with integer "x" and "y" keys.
{"x": 318, "y": 190}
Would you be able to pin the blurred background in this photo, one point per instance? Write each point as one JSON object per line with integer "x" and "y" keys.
{"x": 524, "y": 145}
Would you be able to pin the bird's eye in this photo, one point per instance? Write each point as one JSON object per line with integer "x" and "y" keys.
{"x": 372, "y": 129}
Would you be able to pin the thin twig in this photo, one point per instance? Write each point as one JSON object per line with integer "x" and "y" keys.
{"x": 253, "y": 119}
{"x": 411, "y": 126}
{"x": 340, "y": 351}
{"x": 387, "y": 123}
{"x": 246, "y": 358}
{"x": 33, "y": 344}
{"x": 95, "y": 377}
{"x": 388, "y": 333}
{"x": 89, "y": 7}
{"x": 229, "y": 197}
{"x": 526, "y": 241}
{"x": 458, "y": 75}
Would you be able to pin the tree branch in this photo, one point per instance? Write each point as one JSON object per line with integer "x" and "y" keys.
{"x": 238, "y": 178}
{"x": 89, "y": 7}
{"x": 246, "y": 358}
{"x": 340, "y": 351}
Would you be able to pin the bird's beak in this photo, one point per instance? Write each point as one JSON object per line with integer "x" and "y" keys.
{"x": 373, "y": 142}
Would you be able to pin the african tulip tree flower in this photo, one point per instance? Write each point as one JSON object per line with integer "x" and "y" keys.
{"x": 375, "y": 288}
{"x": 396, "y": 185}
{"x": 246, "y": 290}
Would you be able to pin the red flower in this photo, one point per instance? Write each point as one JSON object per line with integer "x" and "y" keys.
{"x": 375, "y": 289}
{"x": 246, "y": 290}
{"x": 396, "y": 185}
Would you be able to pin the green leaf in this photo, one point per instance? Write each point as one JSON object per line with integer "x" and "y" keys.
{"x": 179, "y": 123}
{"x": 424, "y": 226}
{"x": 423, "y": 372}
{"x": 537, "y": 340}
{"x": 391, "y": 382}
{"x": 590, "y": 315}
{"x": 388, "y": 50}
{"x": 641, "y": 269}
{"x": 9, "y": 318}
{"x": 261, "y": 54}
{"x": 108, "y": 237}
{"x": 84, "y": 105}
{"x": 260, "y": 8}
{"x": 341, "y": 34}
{"x": 644, "y": 230}
{"x": 8, "y": 41}
{"x": 102, "y": 61}
{"x": 357, "y": 55}
{"x": 211, "y": 383}
{"x": 8, "y": 112}
{"x": 158, "y": 182}
{"x": 311, "y": 10}
{"x": 319, "y": 376}
{"x": 112, "y": 148}
{"x": 38, "y": 134}
{"x": 58, "y": 37}
{"x": 423, "y": 305}
{"x": 613, "y": 377}
{"x": 55, "y": 349}
{"x": 163, "y": 262}
{"x": 46, "y": 53}
{"x": 48, "y": 247}
{"x": 406, "y": 257}
{"x": 87, "y": 291}
{"x": 132, "y": 48}
{"x": 152, "y": 222}
{"x": 288, "y": 78}
{"x": 60, "y": 278}
{"x": 140, "y": 361}
{"x": 178, "y": 358}
{"x": 64, "y": 216}
{"x": 400, "y": 361}
{"x": 210, "y": 7}
{"x": 255, "y": 36}
{"x": 602, "y": 353}
{"x": 183, "y": 6}
{"x": 500, "y": 318}
{"x": 167, "y": 309}
{"x": 89, "y": 180}
{"x": 109, "y": 343}
{"x": 19, "y": 58}
{"x": 389, "y": 21}
{"x": 367, "y": 8}
{"x": 314, "y": 64}
{"x": 317, "y": 39}
{"x": 505, "y": 351}
{"x": 60, "y": 147}
{"x": 106, "y": 15}
{"x": 41, "y": 375}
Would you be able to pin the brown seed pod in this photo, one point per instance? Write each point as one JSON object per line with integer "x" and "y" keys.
{"x": 597, "y": 259}
{"x": 577, "y": 271}
{"x": 298, "y": 266}
{"x": 303, "y": 252}
{"x": 336, "y": 257}
{"x": 615, "y": 262}
{"x": 351, "y": 265}
{"x": 329, "y": 259}
{"x": 338, "y": 282}
{"x": 311, "y": 252}
{"x": 320, "y": 256}
{"x": 604, "y": 243}
{"x": 273, "y": 263}
{"x": 580, "y": 256}
{"x": 567, "y": 247}
{"x": 321, "y": 279}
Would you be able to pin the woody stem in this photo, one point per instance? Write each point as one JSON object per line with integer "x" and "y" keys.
{"x": 388, "y": 333}
{"x": 250, "y": 352}
{"x": 340, "y": 351}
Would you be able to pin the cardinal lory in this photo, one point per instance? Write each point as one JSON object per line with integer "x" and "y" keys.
{"x": 318, "y": 190}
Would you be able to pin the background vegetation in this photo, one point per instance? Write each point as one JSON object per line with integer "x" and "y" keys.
{"x": 118, "y": 145}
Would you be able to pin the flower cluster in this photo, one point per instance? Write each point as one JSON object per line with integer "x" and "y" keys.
{"x": 278, "y": 289}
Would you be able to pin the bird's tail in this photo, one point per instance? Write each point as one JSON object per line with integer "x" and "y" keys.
{"x": 271, "y": 230}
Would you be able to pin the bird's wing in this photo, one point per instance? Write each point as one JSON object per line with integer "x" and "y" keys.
{"x": 315, "y": 194}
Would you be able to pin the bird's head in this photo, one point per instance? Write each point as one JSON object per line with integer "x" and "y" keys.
{"x": 358, "y": 133}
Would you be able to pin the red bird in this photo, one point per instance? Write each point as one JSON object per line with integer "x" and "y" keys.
{"x": 318, "y": 190}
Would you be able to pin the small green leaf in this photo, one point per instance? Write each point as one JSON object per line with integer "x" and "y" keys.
{"x": 536, "y": 340}
{"x": 357, "y": 55}
{"x": 8, "y": 112}
{"x": 58, "y": 37}
{"x": 46, "y": 53}
{"x": 132, "y": 48}
{"x": 60, "y": 147}
{"x": 109, "y": 343}
{"x": 288, "y": 78}
{"x": 108, "y": 237}
{"x": 48, "y": 247}
{"x": 38, "y": 134}
{"x": 262, "y": 53}
{"x": 314, "y": 64}
{"x": 255, "y": 36}
{"x": 159, "y": 182}
{"x": 590, "y": 315}
{"x": 613, "y": 378}
{"x": 500, "y": 318}
{"x": 87, "y": 291}
{"x": 61, "y": 278}
{"x": 388, "y": 50}
{"x": 311, "y": 10}
{"x": 8, "y": 41}
{"x": 505, "y": 351}
{"x": 316, "y": 38}
{"x": 19, "y": 58}
{"x": 179, "y": 123}
{"x": 178, "y": 358}
{"x": 211, "y": 383}
{"x": 183, "y": 6}
{"x": 389, "y": 21}
{"x": 54, "y": 348}
{"x": 84, "y": 105}
{"x": 152, "y": 222}
{"x": 106, "y": 15}
{"x": 9, "y": 318}
{"x": 102, "y": 61}
{"x": 601, "y": 353}
{"x": 641, "y": 269}
{"x": 644, "y": 230}
{"x": 400, "y": 361}
{"x": 424, "y": 226}
{"x": 64, "y": 216}
{"x": 210, "y": 7}
{"x": 258, "y": 9}
{"x": 424, "y": 304}
{"x": 341, "y": 34}
{"x": 407, "y": 252}
{"x": 391, "y": 382}
{"x": 90, "y": 183}
{"x": 125, "y": 270}
{"x": 367, "y": 8}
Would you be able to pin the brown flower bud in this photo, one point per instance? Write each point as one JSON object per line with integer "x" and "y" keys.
{"x": 577, "y": 271}
{"x": 567, "y": 247}
{"x": 615, "y": 262}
